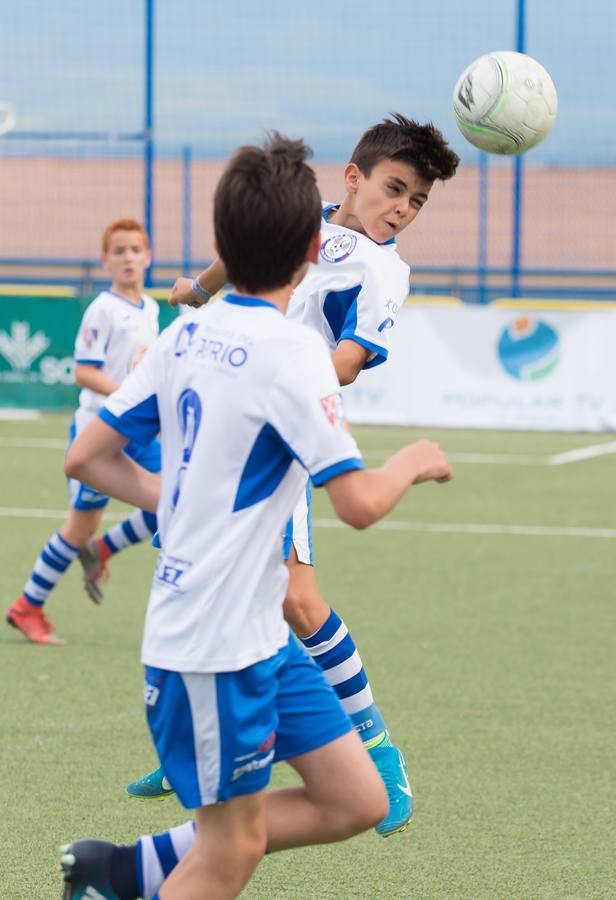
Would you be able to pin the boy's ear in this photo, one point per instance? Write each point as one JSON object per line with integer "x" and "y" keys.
{"x": 312, "y": 254}
{"x": 351, "y": 178}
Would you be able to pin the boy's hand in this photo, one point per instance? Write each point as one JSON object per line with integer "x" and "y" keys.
{"x": 430, "y": 462}
{"x": 183, "y": 293}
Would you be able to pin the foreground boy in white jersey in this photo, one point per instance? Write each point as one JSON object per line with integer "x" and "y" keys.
{"x": 246, "y": 402}
{"x": 115, "y": 331}
{"x": 351, "y": 298}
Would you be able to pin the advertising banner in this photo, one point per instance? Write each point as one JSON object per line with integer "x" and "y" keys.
{"x": 483, "y": 367}
{"x": 450, "y": 365}
{"x": 37, "y": 339}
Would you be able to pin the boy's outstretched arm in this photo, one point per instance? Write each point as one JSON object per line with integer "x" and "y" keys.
{"x": 362, "y": 497}
{"x": 212, "y": 280}
{"x": 349, "y": 358}
{"x": 95, "y": 458}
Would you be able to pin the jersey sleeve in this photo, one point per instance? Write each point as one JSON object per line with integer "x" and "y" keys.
{"x": 133, "y": 408}
{"x": 306, "y": 411}
{"x": 93, "y": 336}
{"x": 373, "y": 313}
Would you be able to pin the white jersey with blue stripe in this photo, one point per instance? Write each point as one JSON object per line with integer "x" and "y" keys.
{"x": 354, "y": 292}
{"x": 113, "y": 335}
{"x": 247, "y": 403}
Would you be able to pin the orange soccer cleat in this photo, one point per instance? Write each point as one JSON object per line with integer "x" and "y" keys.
{"x": 32, "y": 622}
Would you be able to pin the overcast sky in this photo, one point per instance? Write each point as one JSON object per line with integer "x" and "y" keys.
{"x": 227, "y": 71}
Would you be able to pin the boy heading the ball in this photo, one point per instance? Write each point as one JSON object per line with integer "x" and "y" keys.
{"x": 243, "y": 399}
{"x": 351, "y": 298}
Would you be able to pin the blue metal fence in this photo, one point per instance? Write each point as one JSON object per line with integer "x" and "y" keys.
{"x": 474, "y": 277}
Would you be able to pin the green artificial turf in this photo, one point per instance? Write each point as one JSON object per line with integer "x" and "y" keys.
{"x": 490, "y": 654}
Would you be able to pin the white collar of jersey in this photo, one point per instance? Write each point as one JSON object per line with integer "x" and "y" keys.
{"x": 139, "y": 305}
{"x": 326, "y": 211}
{"x": 242, "y": 300}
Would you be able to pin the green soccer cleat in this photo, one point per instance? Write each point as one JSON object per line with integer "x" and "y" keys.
{"x": 393, "y": 770}
{"x": 86, "y": 866}
{"x": 153, "y": 786}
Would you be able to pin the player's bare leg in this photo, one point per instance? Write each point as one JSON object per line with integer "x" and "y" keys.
{"x": 230, "y": 840}
{"x": 342, "y": 795}
{"x": 304, "y": 607}
{"x": 327, "y": 639}
{"x": 80, "y": 525}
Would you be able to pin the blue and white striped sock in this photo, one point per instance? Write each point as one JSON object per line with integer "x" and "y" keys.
{"x": 139, "y": 526}
{"x": 158, "y": 854}
{"x": 334, "y": 650}
{"x": 55, "y": 558}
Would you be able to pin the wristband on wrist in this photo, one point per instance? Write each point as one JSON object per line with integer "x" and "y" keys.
{"x": 202, "y": 293}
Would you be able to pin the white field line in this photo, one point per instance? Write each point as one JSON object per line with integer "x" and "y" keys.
{"x": 14, "y": 512}
{"x": 581, "y": 453}
{"x": 503, "y": 459}
{"x": 26, "y": 443}
{"x": 511, "y": 459}
{"x": 18, "y": 512}
{"x": 480, "y": 528}
{"x": 7, "y": 414}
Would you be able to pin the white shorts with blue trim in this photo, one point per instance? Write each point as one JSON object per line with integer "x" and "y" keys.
{"x": 81, "y": 496}
{"x": 298, "y": 532}
{"x": 218, "y": 735}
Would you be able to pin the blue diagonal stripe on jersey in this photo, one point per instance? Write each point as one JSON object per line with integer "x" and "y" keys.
{"x": 266, "y": 466}
{"x": 340, "y": 310}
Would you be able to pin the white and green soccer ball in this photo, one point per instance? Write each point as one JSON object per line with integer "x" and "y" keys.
{"x": 505, "y": 102}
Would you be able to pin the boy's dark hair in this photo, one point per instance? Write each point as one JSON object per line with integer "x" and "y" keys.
{"x": 267, "y": 209}
{"x": 420, "y": 146}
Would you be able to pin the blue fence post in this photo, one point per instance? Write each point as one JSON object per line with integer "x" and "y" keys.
{"x": 518, "y": 173}
{"x": 186, "y": 211}
{"x": 482, "y": 249}
{"x": 516, "y": 245}
{"x": 148, "y": 132}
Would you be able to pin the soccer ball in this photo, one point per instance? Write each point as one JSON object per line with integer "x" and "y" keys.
{"x": 504, "y": 102}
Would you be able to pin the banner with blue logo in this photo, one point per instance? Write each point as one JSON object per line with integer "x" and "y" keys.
{"x": 490, "y": 367}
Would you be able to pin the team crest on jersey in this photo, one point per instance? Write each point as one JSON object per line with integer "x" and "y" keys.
{"x": 338, "y": 248}
{"x": 332, "y": 407}
{"x": 90, "y": 337}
